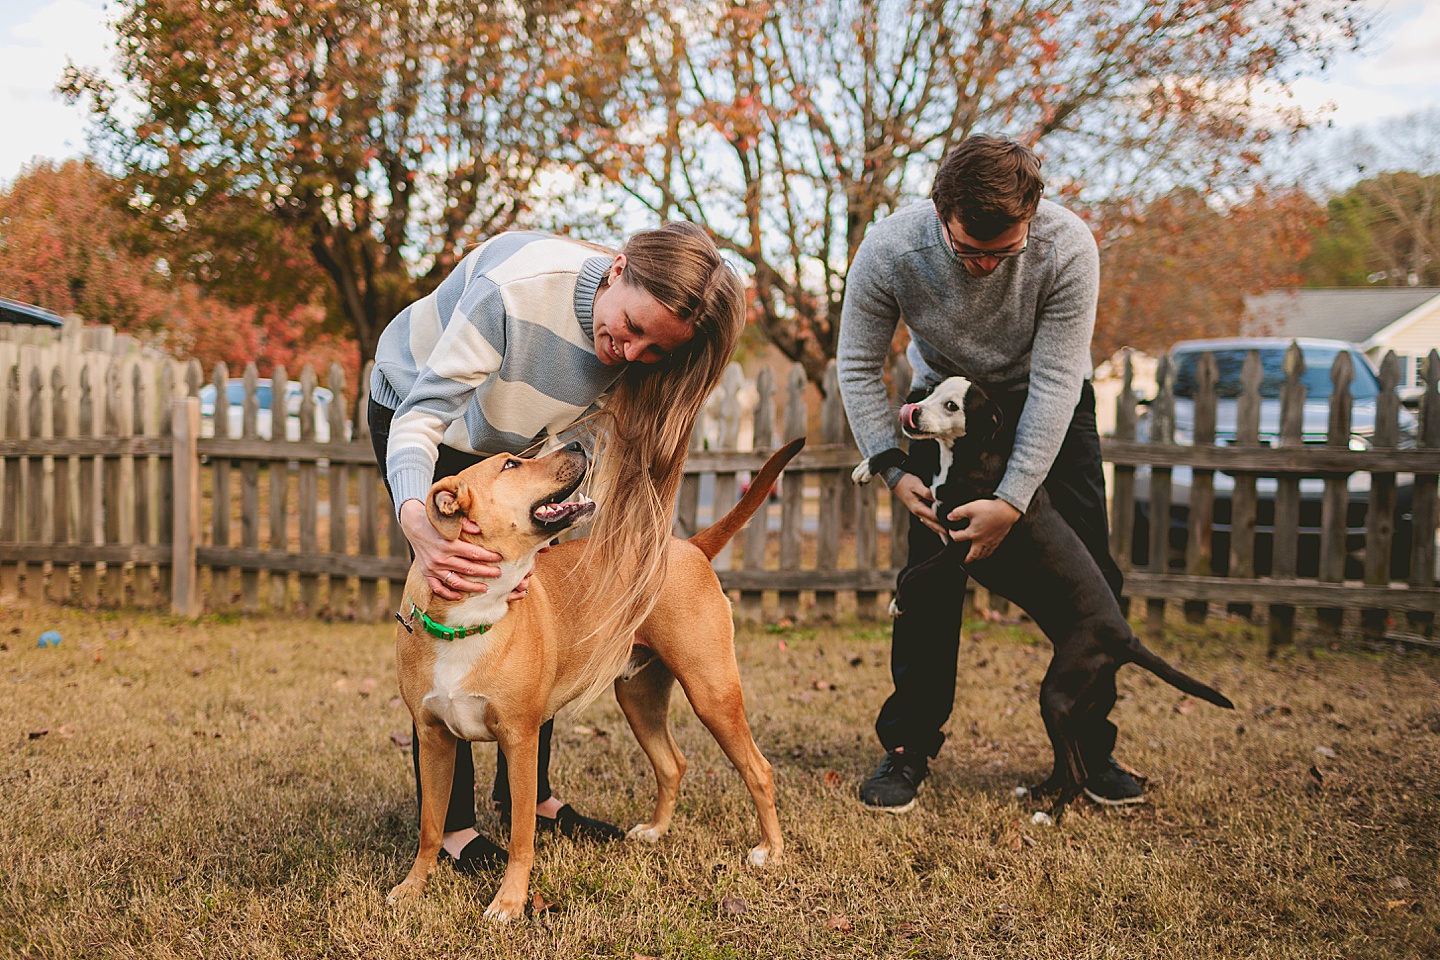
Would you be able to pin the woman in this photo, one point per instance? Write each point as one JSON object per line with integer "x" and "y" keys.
{"x": 528, "y": 335}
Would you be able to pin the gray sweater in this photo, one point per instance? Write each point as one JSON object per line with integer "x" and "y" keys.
{"x": 1027, "y": 324}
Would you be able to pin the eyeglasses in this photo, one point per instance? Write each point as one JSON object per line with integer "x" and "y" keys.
{"x": 972, "y": 254}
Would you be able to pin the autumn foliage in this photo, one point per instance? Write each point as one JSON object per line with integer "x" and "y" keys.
{"x": 1181, "y": 266}
{"x": 70, "y": 243}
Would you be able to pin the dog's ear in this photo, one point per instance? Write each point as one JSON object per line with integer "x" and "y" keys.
{"x": 996, "y": 418}
{"x": 918, "y": 394}
{"x": 446, "y": 506}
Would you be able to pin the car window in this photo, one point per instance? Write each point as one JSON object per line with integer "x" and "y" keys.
{"x": 1318, "y": 360}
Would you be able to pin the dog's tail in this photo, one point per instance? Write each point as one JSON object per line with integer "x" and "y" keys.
{"x": 713, "y": 538}
{"x": 1142, "y": 656}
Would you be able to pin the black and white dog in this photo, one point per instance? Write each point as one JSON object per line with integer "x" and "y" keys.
{"x": 1042, "y": 565}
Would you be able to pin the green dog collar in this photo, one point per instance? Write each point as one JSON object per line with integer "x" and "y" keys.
{"x": 439, "y": 629}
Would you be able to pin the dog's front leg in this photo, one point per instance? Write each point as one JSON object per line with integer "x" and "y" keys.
{"x": 521, "y": 755}
{"x": 437, "y": 770}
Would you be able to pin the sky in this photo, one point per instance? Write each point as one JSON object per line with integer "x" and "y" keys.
{"x": 1397, "y": 72}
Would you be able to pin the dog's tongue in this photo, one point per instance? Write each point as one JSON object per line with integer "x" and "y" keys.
{"x": 907, "y": 414}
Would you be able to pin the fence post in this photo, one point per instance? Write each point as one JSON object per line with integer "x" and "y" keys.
{"x": 1335, "y": 504}
{"x": 1162, "y": 430}
{"x": 754, "y": 551}
{"x": 185, "y": 471}
{"x": 1200, "y": 517}
{"x": 1423, "y": 509}
{"x": 827, "y": 533}
{"x": 1244, "y": 501}
{"x": 1284, "y": 543}
{"x": 1380, "y": 514}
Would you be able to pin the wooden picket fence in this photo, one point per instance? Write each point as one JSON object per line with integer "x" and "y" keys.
{"x": 112, "y": 496}
{"x": 1376, "y": 597}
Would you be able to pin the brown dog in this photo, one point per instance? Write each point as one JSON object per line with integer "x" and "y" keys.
{"x": 503, "y": 683}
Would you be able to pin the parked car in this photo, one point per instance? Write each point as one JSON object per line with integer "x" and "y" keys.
{"x": 1319, "y": 355}
{"x": 13, "y": 311}
{"x": 264, "y": 394}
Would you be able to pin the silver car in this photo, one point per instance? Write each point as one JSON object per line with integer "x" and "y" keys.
{"x": 1319, "y": 355}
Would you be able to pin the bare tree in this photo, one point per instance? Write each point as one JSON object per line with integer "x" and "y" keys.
{"x": 789, "y": 126}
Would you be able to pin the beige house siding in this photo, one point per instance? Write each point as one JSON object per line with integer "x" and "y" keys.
{"x": 1412, "y": 337}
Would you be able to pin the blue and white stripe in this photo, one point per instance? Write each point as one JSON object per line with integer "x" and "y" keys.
{"x": 499, "y": 355}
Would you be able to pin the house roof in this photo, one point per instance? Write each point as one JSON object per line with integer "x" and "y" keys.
{"x": 1354, "y": 314}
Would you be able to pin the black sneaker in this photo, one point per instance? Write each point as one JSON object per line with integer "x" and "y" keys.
{"x": 1114, "y": 786}
{"x": 893, "y": 785}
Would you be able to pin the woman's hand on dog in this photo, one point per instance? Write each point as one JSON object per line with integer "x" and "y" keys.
{"x": 990, "y": 521}
{"x": 453, "y": 568}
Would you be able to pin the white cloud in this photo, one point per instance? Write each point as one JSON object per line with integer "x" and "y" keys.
{"x": 1407, "y": 53}
{"x": 44, "y": 35}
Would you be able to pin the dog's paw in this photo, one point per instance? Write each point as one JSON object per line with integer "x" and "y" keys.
{"x": 503, "y": 909}
{"x": 762, "y": 856}
{"x": 646, "y": 832}
{"x": 1042, "y": 819}
{"x": 894, "y": 608}
{"x": 861, "y": 473}
{"x": 406, "y": 890}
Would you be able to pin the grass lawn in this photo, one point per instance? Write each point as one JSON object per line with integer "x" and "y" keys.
{"x": 234, "y": 788}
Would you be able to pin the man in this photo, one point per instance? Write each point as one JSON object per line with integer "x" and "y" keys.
{"x": 999, "y": 286}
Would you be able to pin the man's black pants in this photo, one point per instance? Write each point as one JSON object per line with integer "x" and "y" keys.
{"x": 925, "y": 642}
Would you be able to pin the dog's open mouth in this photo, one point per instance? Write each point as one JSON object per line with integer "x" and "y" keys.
{"x": 565, "y": 508}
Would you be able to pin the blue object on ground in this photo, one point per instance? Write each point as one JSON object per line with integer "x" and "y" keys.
{"x": 50, "y": 638}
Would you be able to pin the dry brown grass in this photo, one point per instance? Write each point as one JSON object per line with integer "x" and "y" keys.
{"x": 231, "y": 789}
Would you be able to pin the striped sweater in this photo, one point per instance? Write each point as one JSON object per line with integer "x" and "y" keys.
{"x": 500, "y": 355}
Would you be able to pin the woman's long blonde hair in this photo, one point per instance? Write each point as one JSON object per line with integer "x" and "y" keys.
{"x": 644, "y": 434}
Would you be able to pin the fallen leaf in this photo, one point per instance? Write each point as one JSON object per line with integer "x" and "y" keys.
{"x": 1396, "y": 904}
{"x": 1326, "y": 752}
{"x": 1316, "y": 774}
{"x": 400, "y": 739}
{"x": 395, "y": 703}
{"x": 907, "y": 930}
{"x": 367, "y": 686}
{"x": 783, "y": 647}
{"x": 840, "y": 923}
{"x": 856, "y": 660}
{"x": 824, "y": 685}
{"x": 37, "y": 734}
{"x": 99, "y": 656}
{"x": 539, "y": 904}
{"x": 1183, "y": 707}
{"x": 734, "y": 906}
{"x": 643, "y": 956}
{"x": 64, "y": 731}
{"x": 1398, "y": 882}
{"x": 833, "y": 779}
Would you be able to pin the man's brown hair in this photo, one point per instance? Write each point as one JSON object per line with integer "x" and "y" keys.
{"x": 989, "y": 184}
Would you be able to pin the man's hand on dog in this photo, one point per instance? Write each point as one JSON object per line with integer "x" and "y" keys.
{"x": 920, "y": 501}
{"x": 453, "y": 568}
{"x": 990, "y": 521}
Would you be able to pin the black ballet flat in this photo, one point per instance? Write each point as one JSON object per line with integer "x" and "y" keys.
{"x": 480, "y": 855}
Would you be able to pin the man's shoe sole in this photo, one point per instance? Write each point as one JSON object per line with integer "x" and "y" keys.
{"x": 1108, "y": 802}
